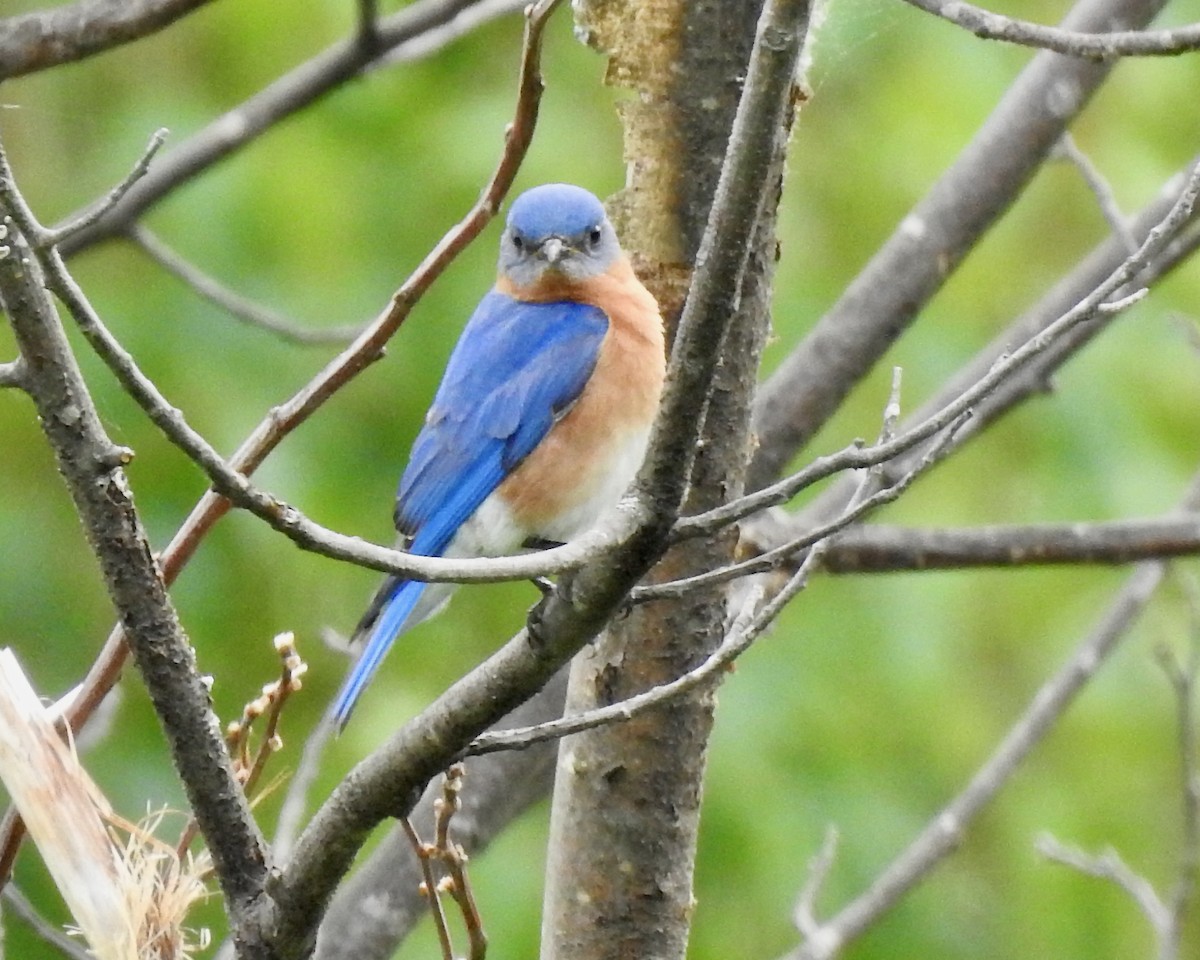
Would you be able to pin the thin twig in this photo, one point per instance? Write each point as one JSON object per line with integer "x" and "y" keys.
{"x": 945, "y": 831}
{"x": 1109, "y": 866}
{"x": 45, "y": 930}
{"x": 778, "y": 556}
{"x": 432, "y": 40}
{"x": 805, "y": 914}
{"x": 424, "y": 854}
{"x": 239, "y": 307}
{"x": 86, "y": 218}
{"x": 1129, "y": 43}
{"x": 288, "y": 94}
{"x": 1106, "y": 199}
{"x": 856, "y": 456}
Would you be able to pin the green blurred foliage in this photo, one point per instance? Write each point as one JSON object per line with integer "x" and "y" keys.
{"x": 875, "y": 698}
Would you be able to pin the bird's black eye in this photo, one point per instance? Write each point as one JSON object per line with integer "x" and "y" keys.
{"x": 595, "y": 235}
{"x": 518, "y": 243}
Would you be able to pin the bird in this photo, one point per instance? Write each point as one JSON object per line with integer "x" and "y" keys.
{"x": 542, "y": 417}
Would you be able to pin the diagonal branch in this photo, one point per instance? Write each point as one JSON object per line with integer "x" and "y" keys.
{"x": 911, "y": 266}
{"x": 945, "y": 831}
{"x": 239, "y": 307}
{"x": 1127, "y": 43}
{"x": 92, "y": 467}
{"x": 288, "y": 94}
{"x": 45, "y": 38}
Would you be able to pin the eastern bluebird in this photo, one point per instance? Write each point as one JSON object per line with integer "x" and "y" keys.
{"x": 543, "y": 413}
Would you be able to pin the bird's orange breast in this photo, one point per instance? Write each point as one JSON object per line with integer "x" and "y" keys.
{"x": 592, "y": 454}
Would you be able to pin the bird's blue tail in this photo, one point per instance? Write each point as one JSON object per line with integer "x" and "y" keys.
{"x": 396, "y": 611}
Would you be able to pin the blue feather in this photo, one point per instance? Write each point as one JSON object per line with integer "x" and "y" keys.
{"x": 516, "y": 369}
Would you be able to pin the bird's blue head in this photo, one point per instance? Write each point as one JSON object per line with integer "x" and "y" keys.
{"x": 556, "y": 229}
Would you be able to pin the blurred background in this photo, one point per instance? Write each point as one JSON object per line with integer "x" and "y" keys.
{"x": 875, "y": 698}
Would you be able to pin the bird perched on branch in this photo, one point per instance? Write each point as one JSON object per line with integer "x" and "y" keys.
{"x": 543, "y": 413}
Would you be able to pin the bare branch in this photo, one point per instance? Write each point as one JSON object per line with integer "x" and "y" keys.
{"x": 238, "y": 306}
{"x": 45, "y": 930}
{"x": 1034, "y": 379}
{"x": 1103, "y": 192}
{"x": 1109, "y": 866}
{"x": 882, "y": 548}
{"x": 434, "y": 39}
{"x": 1130, "y": 43}
{"x": 86, "y": 218}
{"x": 1184, "y": 678}
{"x": 45, "y": 38}
{"x": 285, "y": 96}
{"x": 911, "y": 266}
{"x": 805, "y": 914}
{"x": 945, "y": 831}
{"x": 779, "y": 555}
{"x": 92, "y": 467}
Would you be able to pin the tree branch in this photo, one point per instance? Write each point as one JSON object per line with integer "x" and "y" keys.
{"x": 945, "y": 831}
{"x": 46, "y": 38}
{"x": 1034, "y": 378}
{"x": 285, "y": 96}
{"x": 1102, "y": 46}
{"x": 92, "y": 468}
{"x": 384, "y": 784}
{"x": 911, "y": 266}
{"x": 380, "y": 902}
{"x": 882, "y": 548}
{"x": 12, "y": 373}
{"x": 239, "y": 307}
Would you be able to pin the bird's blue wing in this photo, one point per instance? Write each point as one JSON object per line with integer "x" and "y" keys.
{"x": 517, "y": 368}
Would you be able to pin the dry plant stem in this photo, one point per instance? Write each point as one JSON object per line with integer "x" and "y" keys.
{"x": 290, "y": 93}
{"x": 366, "y": 348}
{"x": 92, "y": 468}
{"x": 454, "y": 860}
{"x": 378, "y": 904}
{"x": 239, "y": 307}
{"x": 45, "y": 38}
{"x": 425, "y": 857}
{"x": 47, "y": 931}
{"x": 933, "y": 238}
{"x": 945, "y": 831}
{"x": 1131, "y": 43}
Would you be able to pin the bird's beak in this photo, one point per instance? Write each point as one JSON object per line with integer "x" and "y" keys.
{"x": 553, "y": 250}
